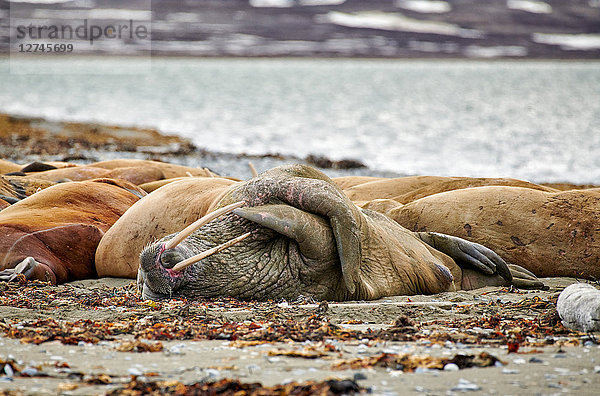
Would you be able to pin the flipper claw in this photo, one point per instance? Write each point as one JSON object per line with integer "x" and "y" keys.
{"x": 25, "y": 267}
{"x": 468, "y": 254}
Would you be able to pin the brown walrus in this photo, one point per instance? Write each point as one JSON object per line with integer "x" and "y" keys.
{"x": 135, "y": 175}
{"x": 407, "y": 189}
{"x": 293, "y": 232}
{"x": 53, "y": 234}
{"x": 15, "y": 188}
{"x": 169, "y": 170}
{"x": 132, "y": 170}
{"x": 8, "y": 167}
{"x": 548, "y": 233}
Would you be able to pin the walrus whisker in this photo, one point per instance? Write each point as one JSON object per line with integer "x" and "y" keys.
{"x": 187, "y": 231}
{"x": 252, "y": 169}
{"x": 194, "y": 259}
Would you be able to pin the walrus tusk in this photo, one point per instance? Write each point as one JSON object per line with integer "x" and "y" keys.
{"x": 194, "y": 259}
{"x": 187, "y": 231}
{"x": 252, "y": 169}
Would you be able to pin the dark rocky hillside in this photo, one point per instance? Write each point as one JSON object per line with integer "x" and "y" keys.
{"x": 373, "y": 28}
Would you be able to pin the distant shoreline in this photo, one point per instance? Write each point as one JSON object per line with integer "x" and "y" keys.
{"x": 8, "y": 55}
{"x": 25, "y": 139}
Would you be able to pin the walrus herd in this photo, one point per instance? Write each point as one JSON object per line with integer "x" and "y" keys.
{"x": 288, "y": 232}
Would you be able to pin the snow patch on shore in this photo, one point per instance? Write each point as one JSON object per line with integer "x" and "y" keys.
{"x": 535, "y": 7}
{"x": 476, "y": 51}
{"x": 272, "y": 3}
{"x": 583, "y": 42}
{"x": 39, "y": 1}
{"x": 321, "y": 2}
{"x": 395, "y": 22}
{"x": 424, "y": 6}
{"x": 96, "y": 13}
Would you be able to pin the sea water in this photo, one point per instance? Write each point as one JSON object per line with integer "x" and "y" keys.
{"x": 534, "y": 120}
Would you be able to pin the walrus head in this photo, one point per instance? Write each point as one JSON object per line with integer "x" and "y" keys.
{"x": 275, "y": 236}
{"x": 290, "y": 232}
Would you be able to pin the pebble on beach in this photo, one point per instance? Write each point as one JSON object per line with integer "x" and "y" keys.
{"x": 579, "y": 307}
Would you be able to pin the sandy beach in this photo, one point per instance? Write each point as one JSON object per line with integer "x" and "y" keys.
{"x": 83, "y": 338}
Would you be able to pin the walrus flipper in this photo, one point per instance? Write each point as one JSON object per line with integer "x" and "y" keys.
{"x": 311, "y": 191}
{"x": 468, "y": 254}
{"x": 312, "y": 233}
{"x": 524, "y": 279}
{"x": 25, "y": 267}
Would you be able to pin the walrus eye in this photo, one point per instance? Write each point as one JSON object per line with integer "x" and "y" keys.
{"x": 169, "y": 258}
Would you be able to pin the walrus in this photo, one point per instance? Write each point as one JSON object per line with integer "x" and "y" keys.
{"x": 410, "y": 188}
{"x": 169, "y": 170}
{"x": 75, "y": 173}
{"x": 292, "y": 232}
{"x": 345, "y": 182}
{"x": 8, "y": 167}
{"x": 548, "y": 233}
{"x": 53, "y": 234}
{"x": 15, "y": 188}
{"x": 38, "y": 166}
{"x": 163, "y": 212}
{"x": 134, "y": 174}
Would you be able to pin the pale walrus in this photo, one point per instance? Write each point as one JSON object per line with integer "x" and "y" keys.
{"x": 293, "y": 232}
{"x": 53, "y": 234}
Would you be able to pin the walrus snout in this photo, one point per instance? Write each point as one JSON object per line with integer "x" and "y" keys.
{"x": 169, "y": 258}
{"x": 155, "y": 268}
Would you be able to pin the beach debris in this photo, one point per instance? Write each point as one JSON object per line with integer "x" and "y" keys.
{"x": 327, "y": 163}
{"x": 489, "y": 323}
{"x": 66, "y": 387}
{"x": 410, "y": 363}
{"x": 306, "y": 353}
{"x": 140, "y": 346}
{"x": 579, "y": 307}
{"x": 235, "y": 387}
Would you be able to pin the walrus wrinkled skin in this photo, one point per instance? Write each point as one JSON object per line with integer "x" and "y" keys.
{"x": 308, "y": 239}
{"x": 53, "y": 234}
{"x": 550, "y": 234}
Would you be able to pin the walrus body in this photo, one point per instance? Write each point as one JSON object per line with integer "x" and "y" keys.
{"x": 550, "y": 234}
{"x": 53, "y": 234}
{"x": 8, "y": 167}
{"x": 18, "y": 187}
{"x": 411, "y": 188}
{"x": 168, "y": 170}
{"x": 135, "y": 175}
{"x": 303, "y": 236}
{"x": 134, "y": 171}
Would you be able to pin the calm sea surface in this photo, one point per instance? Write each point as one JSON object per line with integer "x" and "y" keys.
{"x": 532, "y": 120}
